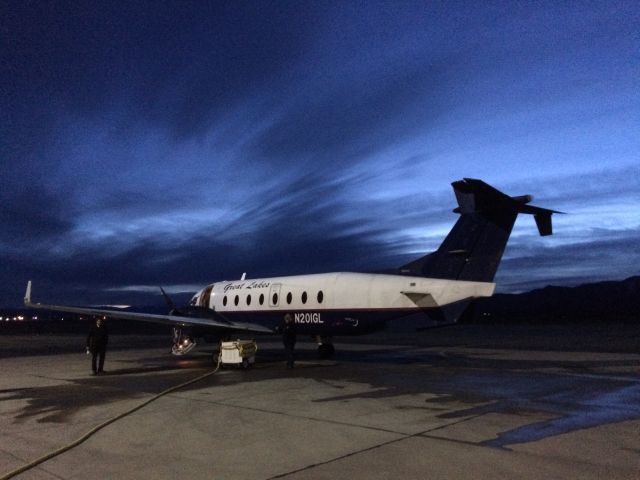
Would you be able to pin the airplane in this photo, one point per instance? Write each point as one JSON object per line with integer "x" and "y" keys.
{"x": 434, "y": 289}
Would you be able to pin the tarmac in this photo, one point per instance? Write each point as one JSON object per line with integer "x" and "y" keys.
{"x": 376, "y": 410}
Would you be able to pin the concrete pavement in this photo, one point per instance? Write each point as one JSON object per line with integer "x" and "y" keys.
{"x": 375, "y": 411}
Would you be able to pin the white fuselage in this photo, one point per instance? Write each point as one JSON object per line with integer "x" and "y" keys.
{"x": 337, "y": 302}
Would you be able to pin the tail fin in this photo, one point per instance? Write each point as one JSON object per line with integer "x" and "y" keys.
{"x": 474, "y": 247}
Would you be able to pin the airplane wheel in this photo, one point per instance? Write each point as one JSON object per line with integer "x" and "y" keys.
{"x": 326, "y": 350}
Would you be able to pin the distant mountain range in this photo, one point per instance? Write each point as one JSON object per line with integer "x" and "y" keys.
{"x": 610, "y": 301}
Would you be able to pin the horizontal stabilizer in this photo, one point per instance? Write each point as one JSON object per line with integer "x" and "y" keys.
{"x": 476, "y": 196}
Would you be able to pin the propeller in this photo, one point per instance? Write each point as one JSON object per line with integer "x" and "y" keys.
{"x": 173, "y": 310}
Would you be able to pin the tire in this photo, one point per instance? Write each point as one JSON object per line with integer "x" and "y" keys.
{"x": 326, "y": 350}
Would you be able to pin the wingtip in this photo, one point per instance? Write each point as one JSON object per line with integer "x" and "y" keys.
{"x": 27, "y": 294}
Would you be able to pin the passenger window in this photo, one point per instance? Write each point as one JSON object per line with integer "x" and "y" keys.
{"x": 275, "y": 299}
{"x": 224, "y": 301}
{"x": 320, "y": 296}
{"x": 248, "y": 299}
{"x": 289, "y": 297}
{"x": 304, "y": 297}
{"x": 236, "y": 300}
{"x": 261, "y": 298}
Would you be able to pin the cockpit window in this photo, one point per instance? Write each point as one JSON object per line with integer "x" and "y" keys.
{"x": 206, "y": 296}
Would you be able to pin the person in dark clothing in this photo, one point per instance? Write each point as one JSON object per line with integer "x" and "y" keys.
{"x": 97, "y": 345}
{"x": 288, "y": 330}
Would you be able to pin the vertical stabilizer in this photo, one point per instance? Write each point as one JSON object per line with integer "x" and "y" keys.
{"x": 473, "y": 248}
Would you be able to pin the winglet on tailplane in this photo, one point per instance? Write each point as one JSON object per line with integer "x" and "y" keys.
{"x": 473, "y": 248}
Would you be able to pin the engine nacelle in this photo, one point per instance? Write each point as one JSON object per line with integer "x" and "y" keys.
{"x": 183, "y": 341}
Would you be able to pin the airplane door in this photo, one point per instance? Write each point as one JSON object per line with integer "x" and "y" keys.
{"x": 274, "y": 294}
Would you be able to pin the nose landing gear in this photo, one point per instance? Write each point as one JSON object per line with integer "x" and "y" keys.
{"x": 183, "y": 342}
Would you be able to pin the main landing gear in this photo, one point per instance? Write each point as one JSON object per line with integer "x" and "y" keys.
{"x": 325, "y": 347}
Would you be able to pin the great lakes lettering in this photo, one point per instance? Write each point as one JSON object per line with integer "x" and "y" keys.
{"x": 245, "y": 286}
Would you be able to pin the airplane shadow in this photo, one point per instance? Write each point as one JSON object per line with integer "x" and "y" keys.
{"x": 458, "y": 385}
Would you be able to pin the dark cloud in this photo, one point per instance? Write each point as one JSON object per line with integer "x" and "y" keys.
{"x": 285, "y": 245}
{"x": 180, "y": 143}
{"x": 358, "y": 118}
{"x": 300, "y": 235}
{"x": 305, "y": 231}
{"x": 580, "y": 190}
{"x": 32, "y": 213}
{"x": 173, "y": 64}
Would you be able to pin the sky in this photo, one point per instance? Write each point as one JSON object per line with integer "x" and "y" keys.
{"x": 178, "y": 144}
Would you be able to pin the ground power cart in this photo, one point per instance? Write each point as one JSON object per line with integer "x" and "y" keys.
{"x": 238, "y": 352}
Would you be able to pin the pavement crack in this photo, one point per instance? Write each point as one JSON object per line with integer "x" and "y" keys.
{"x": 374, "y": 447}
{"x": 300, "y": 417}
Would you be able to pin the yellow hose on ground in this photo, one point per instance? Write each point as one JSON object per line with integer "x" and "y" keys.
{"x": 77, "y": 442}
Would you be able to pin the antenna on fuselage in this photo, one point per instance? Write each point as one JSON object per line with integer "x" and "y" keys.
{"x": 244, "y": 275}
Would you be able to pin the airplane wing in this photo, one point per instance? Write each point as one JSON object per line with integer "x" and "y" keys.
{"x": 174, "y": 320}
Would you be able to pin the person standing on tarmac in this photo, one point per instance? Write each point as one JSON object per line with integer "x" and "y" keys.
{"x": 97, "y": 345}
{"x": 288, "y": 330}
